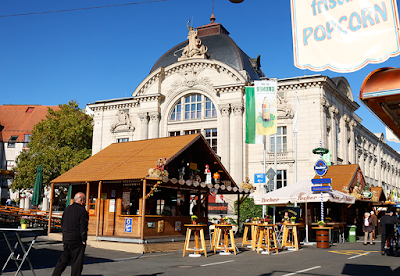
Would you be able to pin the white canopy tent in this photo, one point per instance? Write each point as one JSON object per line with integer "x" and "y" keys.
{"x": 300, "y": 192}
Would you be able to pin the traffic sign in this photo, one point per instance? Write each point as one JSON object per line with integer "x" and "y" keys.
{"x": 320, "y": 167}
{"x": 259, "y": 178}
{"x": 321, "y": 181}
{"x": 321, "y": 188}
{"x": 271, "y": 173}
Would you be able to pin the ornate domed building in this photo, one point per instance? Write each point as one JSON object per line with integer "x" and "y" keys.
{"x": 198, "y": 86}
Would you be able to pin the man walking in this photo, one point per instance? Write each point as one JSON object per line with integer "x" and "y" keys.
{"x": 74, "y": 224}
{"x": 387, "y": 222}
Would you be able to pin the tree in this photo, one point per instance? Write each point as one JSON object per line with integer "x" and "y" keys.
{"x": 58, "y": 143}
{"x": 248, "y": 210}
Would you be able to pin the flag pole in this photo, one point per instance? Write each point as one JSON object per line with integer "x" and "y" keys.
{"x": 295, "y": 142}
{"x": 264, "y": 207}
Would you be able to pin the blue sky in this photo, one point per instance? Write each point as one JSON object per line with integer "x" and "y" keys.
{"x": 104, "y": 53}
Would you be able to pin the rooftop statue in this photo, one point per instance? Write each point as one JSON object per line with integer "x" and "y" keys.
{"x": 194, "y": 49}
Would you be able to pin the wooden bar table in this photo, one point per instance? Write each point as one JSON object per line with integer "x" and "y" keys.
{"x": 267, "y": 231}
{"x": 198, "y": 230}
{"x": 290, "y": 237}
{"x": 252, "y": 227}
{"x": 323, "y": 236}
{"x": 225, "y": 232}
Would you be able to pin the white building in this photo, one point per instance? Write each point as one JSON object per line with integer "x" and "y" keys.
{"x": 199, "y": 86}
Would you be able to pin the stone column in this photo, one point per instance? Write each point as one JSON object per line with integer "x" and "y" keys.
{"x": 237, "y": 149}
{"x": 154, "y": 124}
{"x": 144, "y": 125}
{"x": 352, "y": 149}
{"x": 379, "y": 166}
{"x": 333, "y": 111}
{"x": 224, "y": 134}
{"x": 324, "y": 132}
{"x": 345, "y": 136}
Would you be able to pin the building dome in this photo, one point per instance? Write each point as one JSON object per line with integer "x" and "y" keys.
{"x": 221, "y": 47}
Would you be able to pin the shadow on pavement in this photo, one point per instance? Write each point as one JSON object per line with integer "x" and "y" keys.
{"x": 354, "y": 269}
{"x": 45, "y": 258}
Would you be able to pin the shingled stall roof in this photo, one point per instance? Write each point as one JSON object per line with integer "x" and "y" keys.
{"x": 132, "y": 160}
{"x": 342, "y": 176}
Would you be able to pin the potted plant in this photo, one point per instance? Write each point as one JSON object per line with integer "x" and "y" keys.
{"x": 194, "y": 218}
{"x": 267, "y": 219}
{"x": 321, "y": 224}
{"x": 24, "y": 222}
{"x": 224, "y": 220}
{"x": 293, "y": 219}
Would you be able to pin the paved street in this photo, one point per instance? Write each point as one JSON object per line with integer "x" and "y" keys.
{"x": 343, "y": 259}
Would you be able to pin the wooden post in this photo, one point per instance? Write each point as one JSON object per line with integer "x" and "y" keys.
{"x": 51, "y": 208}
{"x": 98, "y": 209}
{"x": 87, "y": 196}
{"x": 238, "y": 217}
{"x": 143, "y": 211}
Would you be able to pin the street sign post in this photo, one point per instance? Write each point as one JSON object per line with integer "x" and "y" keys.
{"x": 321, "y": 181}
{"x": 271, "y": 173}
{"x": 259, "y": 178}
{"x": 321, "y": 188}
{"x": 320, "y": 167}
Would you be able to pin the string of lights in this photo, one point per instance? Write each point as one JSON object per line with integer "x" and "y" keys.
{"x": 89, "y": 8}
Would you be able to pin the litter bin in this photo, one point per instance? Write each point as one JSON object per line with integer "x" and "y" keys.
{"x": 352, "y": 233}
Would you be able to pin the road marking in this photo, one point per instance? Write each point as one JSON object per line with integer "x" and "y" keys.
{"x": 218, "y": 263}
{"x": 351, "y": 252}
{"x": 356, "y": 256}
{"x": 301, "y": 271}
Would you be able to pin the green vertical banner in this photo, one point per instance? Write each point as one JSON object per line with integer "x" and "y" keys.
{"x": 265, "y": 94}
{"x": 250, "y": 116}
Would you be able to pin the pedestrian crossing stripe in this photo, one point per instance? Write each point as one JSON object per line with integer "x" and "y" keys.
{"x": 352, "y": 252}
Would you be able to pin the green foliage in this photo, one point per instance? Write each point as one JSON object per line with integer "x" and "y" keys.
{"x": 248, "y": 210}
{"x": 58, "y": 143}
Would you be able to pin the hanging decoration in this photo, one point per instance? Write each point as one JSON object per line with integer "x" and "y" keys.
{"x": 159, "y": 170}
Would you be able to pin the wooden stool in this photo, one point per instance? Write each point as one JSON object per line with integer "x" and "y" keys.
{"x": 267, "y": 232}
{"x": 290, "y": 240}
{"x": 198, "y": 230}
{"x": 227, "y": 232}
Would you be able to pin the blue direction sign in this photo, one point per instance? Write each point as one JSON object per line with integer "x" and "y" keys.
{"x": 259, "y": 178}
{"x": 320, "y": 167}
{"x": 321, "y": 188}
{"x": 321, "y": 181}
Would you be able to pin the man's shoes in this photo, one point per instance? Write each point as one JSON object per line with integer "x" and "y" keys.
{"x": 372, "y": 243}
{"x": 365, "y": 243}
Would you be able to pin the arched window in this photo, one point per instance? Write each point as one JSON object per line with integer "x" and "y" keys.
{"x": 195, "y": 106}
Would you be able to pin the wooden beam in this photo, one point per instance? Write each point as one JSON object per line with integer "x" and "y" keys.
{"x": 143, "y": 211}
{"x": 51, "y": 208}
{"x": 98, "y": 209}
{"x": 87, "y": 196}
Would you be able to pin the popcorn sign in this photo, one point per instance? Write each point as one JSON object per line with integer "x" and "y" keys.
{"x": 343, "y": 35}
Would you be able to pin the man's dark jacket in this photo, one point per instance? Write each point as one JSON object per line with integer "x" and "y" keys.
{"x": 74, "y": 224}
{"x": 387, "y": 223}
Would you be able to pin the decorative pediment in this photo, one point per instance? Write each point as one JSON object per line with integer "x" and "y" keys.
{"x": 191, "y": 78}
{"x": 123, "y": 122}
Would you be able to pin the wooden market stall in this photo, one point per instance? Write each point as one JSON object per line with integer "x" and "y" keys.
{"x": 148, "y": 189}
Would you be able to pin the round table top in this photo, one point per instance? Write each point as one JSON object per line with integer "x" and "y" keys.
{"x": 223, "y": 225}
{"x": 292, "y": 224}
{"x": 322, "y": 228}
{"x": 195, "y": 225}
